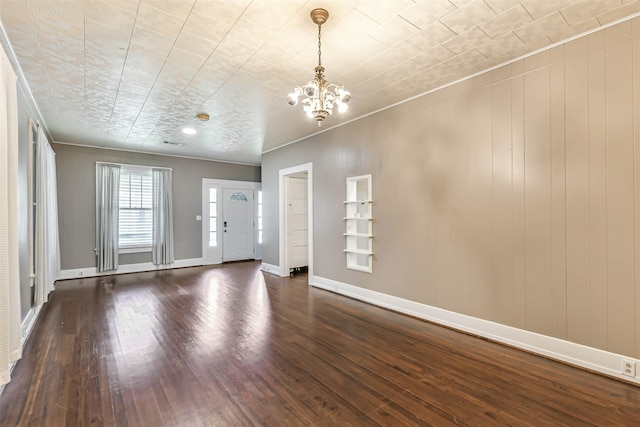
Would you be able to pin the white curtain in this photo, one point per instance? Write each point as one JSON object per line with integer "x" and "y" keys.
{"x": 47, "y": 249}
{"x": 10, "y": 337}
{"x": 107, "y": 213}
{"x": 162, "y": 241}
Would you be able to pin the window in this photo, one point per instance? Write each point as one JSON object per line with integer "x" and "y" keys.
{"x": 213, "y": 217}
{"x": 238, "y": 197}
{"x": 260, "y": 217}
{"x": 136, "y": 215}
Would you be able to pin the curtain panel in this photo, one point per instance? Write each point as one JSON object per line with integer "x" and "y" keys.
{"x": 162, "y": 242}
{"x": 10, "y": 334}
{"x": 107, "y": 215}
{"x": 47, "y": 248}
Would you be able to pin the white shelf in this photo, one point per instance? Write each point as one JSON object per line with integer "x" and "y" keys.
{"x": 358, "y": 234}
{"x": 357, "y": 267}
{"x": 358, "y": 251}
{"x": 358, "y": 223}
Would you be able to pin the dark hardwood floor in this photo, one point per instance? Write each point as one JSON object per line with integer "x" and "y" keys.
{"x": 229, "y": 345}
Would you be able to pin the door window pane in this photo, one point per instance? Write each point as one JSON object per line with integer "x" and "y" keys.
{"x": 260, "y": 217}
{"x": 238, "y": 197}
{"x": 213, "y": 217}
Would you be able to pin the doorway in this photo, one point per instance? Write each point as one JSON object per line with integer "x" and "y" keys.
{"x": 297, "y": 221}
{"x": 229, "y": 220}
{"x": 296, "y": 218}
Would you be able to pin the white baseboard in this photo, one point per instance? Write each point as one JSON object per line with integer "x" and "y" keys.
{"x": 78, "y": 273}
{"x": 271, "y": 269}
{"x": 29, "y": 322}
{"x": 575, "y": 354}
{"x": 26, "y": 327}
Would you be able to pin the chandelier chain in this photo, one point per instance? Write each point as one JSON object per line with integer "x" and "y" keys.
{"x": 319, "y": 47}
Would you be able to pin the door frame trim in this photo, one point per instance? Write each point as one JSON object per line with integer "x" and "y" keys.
{"x": 221, "y": 184}
{"x": 282, "y": 217}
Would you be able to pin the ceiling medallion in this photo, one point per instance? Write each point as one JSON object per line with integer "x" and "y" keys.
{"x": 320, "y": 95}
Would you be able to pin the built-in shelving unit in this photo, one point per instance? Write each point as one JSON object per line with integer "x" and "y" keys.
{"x": 359, "y": 224}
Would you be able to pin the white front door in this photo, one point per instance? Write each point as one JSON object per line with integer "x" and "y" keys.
{"x": 237, "y": 224}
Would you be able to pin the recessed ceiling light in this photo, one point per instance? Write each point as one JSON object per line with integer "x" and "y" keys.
{"x": 189, "y": 131}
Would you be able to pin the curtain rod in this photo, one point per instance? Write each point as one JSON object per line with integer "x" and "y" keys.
{"x": 131, "y": 165}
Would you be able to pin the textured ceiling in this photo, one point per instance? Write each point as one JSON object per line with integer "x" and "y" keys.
{"x": 130, "y": 74}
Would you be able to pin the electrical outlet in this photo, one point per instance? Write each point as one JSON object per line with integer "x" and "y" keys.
{"x": 628, "y": 368}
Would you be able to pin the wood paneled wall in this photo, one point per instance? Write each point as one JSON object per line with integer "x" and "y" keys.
{"x": 512, "y": 196}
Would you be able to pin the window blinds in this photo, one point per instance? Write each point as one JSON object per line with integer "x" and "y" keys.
{"x": 136, "y": 215}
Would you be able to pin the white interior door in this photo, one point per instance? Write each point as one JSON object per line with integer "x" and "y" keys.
{"x": 297, "y": 221}
{"x": 283, "y": 175}
{"x": 237, "y": 224}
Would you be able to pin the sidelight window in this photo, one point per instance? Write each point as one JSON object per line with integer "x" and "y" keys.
{"x": 213, "y": 217}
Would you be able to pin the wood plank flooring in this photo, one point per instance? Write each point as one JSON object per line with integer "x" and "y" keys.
{"x": 231, "y": 346}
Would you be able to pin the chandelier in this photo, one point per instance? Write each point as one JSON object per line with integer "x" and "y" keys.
{"x": 320, "y": 96}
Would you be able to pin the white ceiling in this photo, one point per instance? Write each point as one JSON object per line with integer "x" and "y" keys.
{"x": 130, "y": 74}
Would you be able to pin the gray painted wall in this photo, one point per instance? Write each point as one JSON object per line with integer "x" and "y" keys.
{"x": 76, "y": 199}
{"x": 510, "y": 197}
